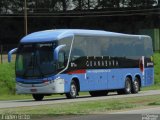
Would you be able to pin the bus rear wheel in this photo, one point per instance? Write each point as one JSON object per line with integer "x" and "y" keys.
{"x": 73, "y": 91}
{"x": 127, "y": 88}
{"x": 135, "y": 86}
{"x": 98, "y": 93}
{"x": 38, "y": 97}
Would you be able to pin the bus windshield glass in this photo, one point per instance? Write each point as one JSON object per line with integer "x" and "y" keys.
{"x": 35, "y": 60}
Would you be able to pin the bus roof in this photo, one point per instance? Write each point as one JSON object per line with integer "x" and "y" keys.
{"x": 57, "y": 34}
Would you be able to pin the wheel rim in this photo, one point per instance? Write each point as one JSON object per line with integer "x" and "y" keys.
{"x": 128, "y": 86}
{"x": 73, "y": 90}
{"x": 136, "y": 85}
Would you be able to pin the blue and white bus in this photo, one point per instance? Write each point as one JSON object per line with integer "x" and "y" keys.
{"x": 68, "y": 61}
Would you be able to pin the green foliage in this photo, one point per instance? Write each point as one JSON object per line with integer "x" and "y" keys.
{"x": 45, "y": 6}
{"x": 157, "y": 68}
{"x": 153, "y": 87}
{"x": 7, "y": 78}
{"x": 154, "y": 103}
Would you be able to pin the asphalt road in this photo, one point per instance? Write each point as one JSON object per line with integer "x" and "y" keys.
{"x": 20, "y": 103}
{"x": 100, "y": 117}
{"x": 140, "y": 114}
{"x": 154, "y": 110}
{"x": 111, "y": 117}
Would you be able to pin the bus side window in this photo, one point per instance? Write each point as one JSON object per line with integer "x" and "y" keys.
{"x": 76, "y": 53}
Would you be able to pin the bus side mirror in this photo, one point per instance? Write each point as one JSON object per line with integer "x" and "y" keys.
{"x": 56, "y": 52}
{"x": 10, "y": 54}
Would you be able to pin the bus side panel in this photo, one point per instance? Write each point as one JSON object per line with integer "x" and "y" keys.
{"x": 108, "y": 79}
{"x": 115, "y": 80}
{"x": 97, "y": 79}
{"x": 149, "y": 76}
{"x": 84, "y": 84}
{"x": 92, "y": 79}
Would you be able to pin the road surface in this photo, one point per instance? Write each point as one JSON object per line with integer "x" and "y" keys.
{"x": 154, "y": 110}
{"x": 20, "y": 103}
{"x": 140, "y": 114}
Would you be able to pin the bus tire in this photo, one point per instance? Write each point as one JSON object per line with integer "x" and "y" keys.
{"x": 38, "y": 97}
{"x": 98, "y": 93}
{"x": 128, "y": 86}
{"x": 135, "y": 86}
{"x": 73, "y": 91}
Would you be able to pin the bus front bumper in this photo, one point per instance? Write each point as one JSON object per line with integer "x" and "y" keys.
{"x": 55, "y": 86}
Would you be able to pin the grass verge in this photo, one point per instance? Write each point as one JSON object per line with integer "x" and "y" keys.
{"x": 89, "y": 107}
{"x": 153, "y": 87}
{"x": 157, "y": 68}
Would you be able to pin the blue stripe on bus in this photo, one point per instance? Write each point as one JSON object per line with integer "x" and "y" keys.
{"x": 107, "y": 80}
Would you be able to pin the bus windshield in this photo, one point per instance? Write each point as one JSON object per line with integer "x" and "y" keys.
{"x": 35, "y": 60}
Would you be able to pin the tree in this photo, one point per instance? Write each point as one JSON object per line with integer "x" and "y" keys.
{"x": 49, "y": 6}
{"x": 78, "y": 4}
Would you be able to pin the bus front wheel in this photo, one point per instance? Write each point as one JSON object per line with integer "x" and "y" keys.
{"x": 73, "y": 91}
{"x": 38, "y": 97}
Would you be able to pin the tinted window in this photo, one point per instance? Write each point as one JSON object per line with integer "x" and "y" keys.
{"x": 111, "y": 46}
{"x": 148, "y": 46}
{"x": 35, "y": 60}
{"x": 65, "y": 41}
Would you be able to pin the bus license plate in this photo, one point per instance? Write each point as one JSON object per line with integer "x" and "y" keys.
{"x": 33, "y": 90}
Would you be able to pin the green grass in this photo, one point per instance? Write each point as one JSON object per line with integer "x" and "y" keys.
{"x": 89, "y": 107}
{"x": 153, "y": 87}
{"x": 14, "y": 97}
{"x": 7, "y": 80}
{"x": 157, "y": 68}
{"x": 155, "y": 103}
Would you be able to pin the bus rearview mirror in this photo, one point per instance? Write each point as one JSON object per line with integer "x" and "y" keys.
{"x": 10, "y": 54}
{"x": 56, "y": 51}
